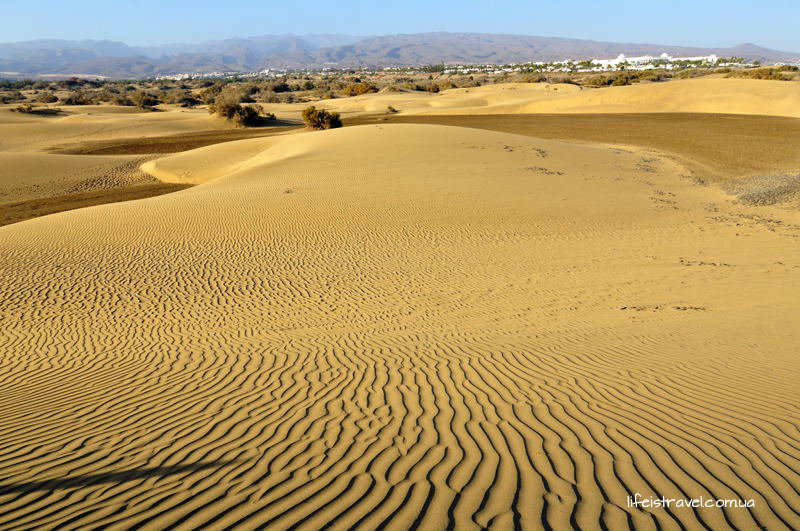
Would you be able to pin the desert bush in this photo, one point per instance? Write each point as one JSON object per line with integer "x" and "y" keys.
{"x": 242, "y": 115}
{"x": 144, "y": 100}
{"x": 70, "y": 83}
{"x": 77, "y": 98}
{"x": 26, "y": 108}
{"x": 181, "y": 97}
{"x": 280, "y": 86}
{"x": 321, "y": 119}
{"x": 122, "y": 100}
{"x": 359, "y": 88}
{"x": 624, "y": 79}
{"x": 690, "y": 73}
{"x": 775, "y": 74}
{"x": 210, "y": 93}
{"x": 533, "y": 78}
{"x": 598, "y": 81}
{"x": 653, "y": 75}
{"x": 12, "y": 96}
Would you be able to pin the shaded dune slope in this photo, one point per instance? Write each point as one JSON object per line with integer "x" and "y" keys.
{"x": 401, "y": 327}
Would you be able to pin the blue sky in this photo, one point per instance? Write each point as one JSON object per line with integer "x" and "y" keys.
{"x": 771, "y": 23}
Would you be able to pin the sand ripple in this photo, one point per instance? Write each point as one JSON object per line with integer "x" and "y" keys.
{"x": 400, "y": 327}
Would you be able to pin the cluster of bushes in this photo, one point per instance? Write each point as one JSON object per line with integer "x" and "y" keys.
{"x": 691, "y": 73}
{"x": 321, "y": 119}
{"x": 181, "y": 97}
{"x": 77, "y": 97}
{"x": 11, "y": 96}
{"x": 26, "y": 108}
{"x": 780, "y": 73}
{"x": 357, "y": 89}
{"x": 429, "y": 86}
{"x": 241, "y": 115}
{"x": 46, "y": 97}
{"x": 616, "y": 79}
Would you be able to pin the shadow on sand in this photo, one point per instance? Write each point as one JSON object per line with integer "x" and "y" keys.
{"x": 109, "y": 477}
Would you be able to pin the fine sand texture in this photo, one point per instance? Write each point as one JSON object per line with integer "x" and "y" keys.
{"x": 402, "y": 327}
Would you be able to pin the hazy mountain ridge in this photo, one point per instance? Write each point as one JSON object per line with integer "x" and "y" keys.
{"x": 429, "y": 48}
{"x": 119, "y": 60}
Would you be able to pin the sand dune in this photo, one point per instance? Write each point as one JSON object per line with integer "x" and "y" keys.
{"x": 41, "y": 172}
{"x": 705, "y": 95}
{"x": 714, "y": 148}
{"x": 402, "y": 327}
{"x": 35, "y": 133}
{"x": 31, "y": 175}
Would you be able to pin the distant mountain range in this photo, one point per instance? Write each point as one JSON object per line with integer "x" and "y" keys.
{"x": 118, "y": 60}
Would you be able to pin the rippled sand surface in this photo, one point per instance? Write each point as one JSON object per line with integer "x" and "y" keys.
{"x": 402, "y": 327}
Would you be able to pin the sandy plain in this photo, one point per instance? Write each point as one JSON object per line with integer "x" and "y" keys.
{"x": 406, "y": 325}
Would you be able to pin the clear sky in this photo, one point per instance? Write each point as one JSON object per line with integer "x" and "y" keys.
{"x": 771, "y": 23}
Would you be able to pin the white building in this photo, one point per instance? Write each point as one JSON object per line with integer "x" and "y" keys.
{"x": 645, "y": 60}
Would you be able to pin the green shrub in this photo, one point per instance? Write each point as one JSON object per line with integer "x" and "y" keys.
{"x": 321, "y": 119}
{"x": 181, "y": 97}
{"x": 533, "y": 78}
{"x": 775, "y": 74}
{"x": 13, "y": 95}
{"x": 26, "y": 108}
{"x": 46, "y": 97}
{"x": 280, "y": 86}
{"x": 241, "y": 115}
{"x": 77, "y": 98}
{"x": 357, "y": 89}
{"x": 144, "y": 100}
{"x": 122, "y": 100}
{"x": 210, "y": 93}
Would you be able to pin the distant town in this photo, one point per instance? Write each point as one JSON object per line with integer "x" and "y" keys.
{"x": 619, "y": 63}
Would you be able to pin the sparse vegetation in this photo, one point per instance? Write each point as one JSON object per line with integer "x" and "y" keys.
{"x": 77, "y": 98}
{"x": 144, "y": 100}
{"x": 782, "y": 73}
{"x": 357, "y": 89}
{"x": 311, "y": 87}
{"x": 321, "y": 119}
{"x": 241, "y": 115}
{"x": 46, "y": 97}
{"x": 28, "y": 108}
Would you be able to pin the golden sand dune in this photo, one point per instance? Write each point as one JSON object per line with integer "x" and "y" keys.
{"x": 402, "y": 327}
{"x": 40, "y": 173}
{"x": 708, "y": 95}
{"x": 704, "y": 95}
{"x": 26, "y": 176}
{"x": 85, "y": 123}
